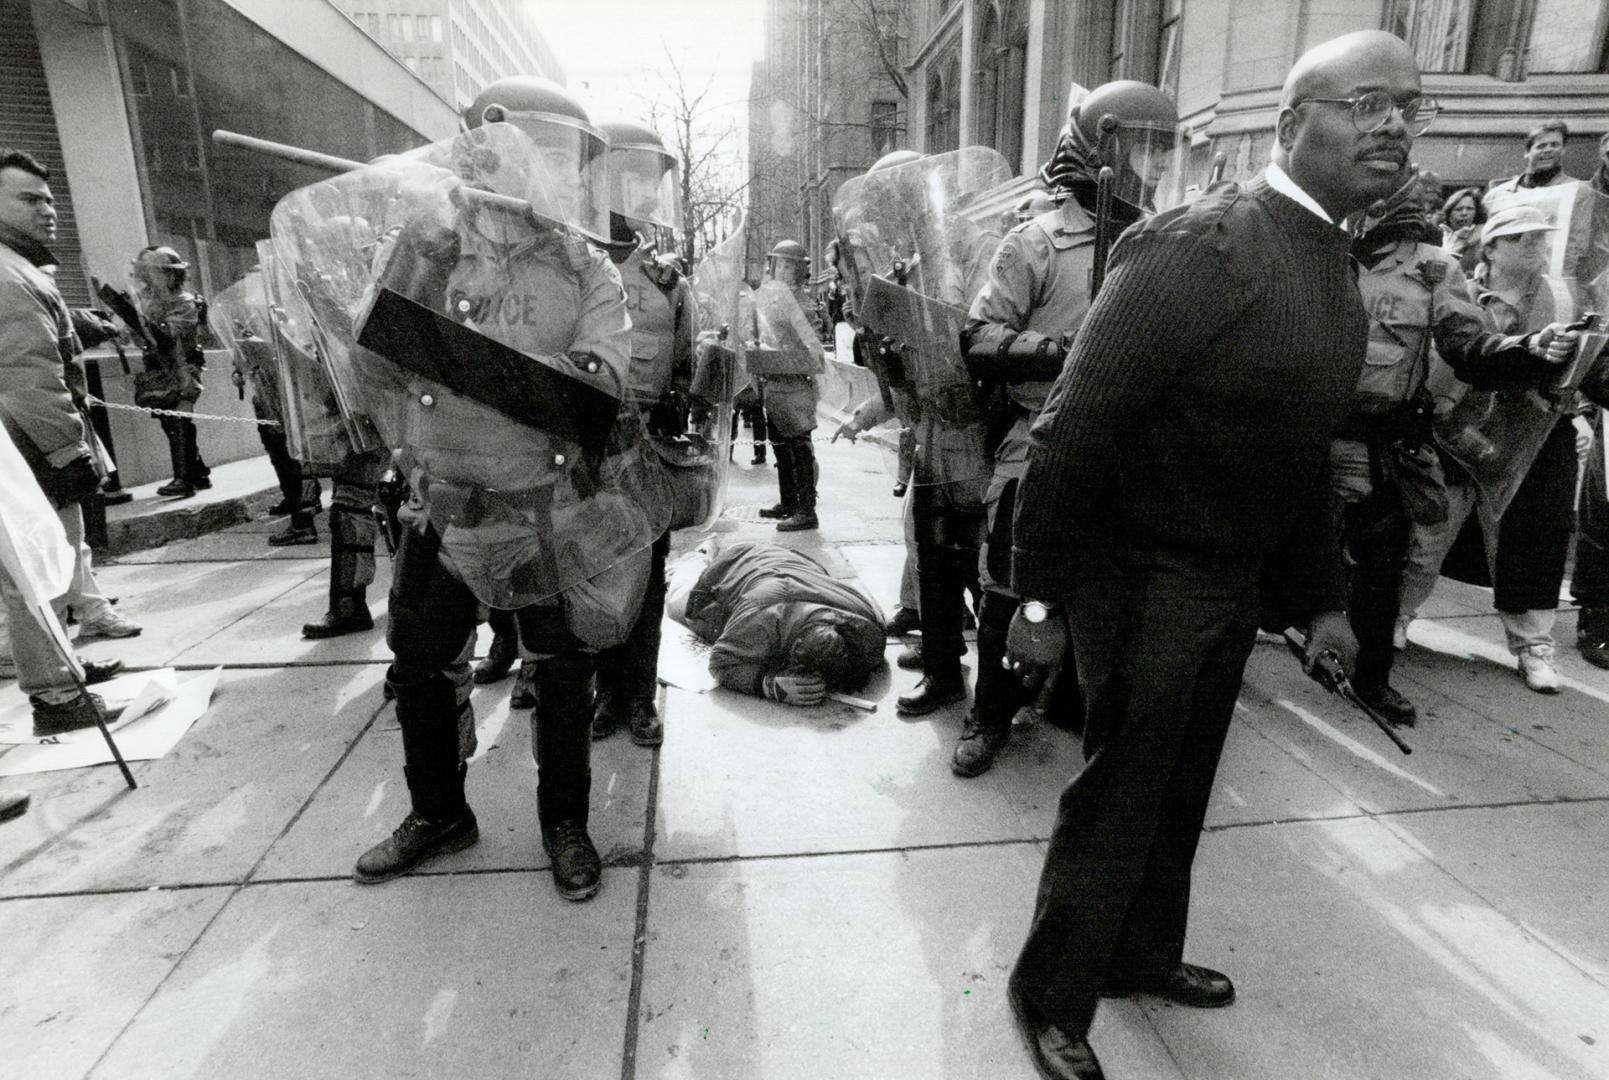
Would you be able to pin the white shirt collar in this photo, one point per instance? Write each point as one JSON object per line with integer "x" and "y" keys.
{"x": 1280, "y": 181}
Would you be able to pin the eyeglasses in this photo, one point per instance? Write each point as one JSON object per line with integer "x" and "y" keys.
{"x": 1372, "y": 111}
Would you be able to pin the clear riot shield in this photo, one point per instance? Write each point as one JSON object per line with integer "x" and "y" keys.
{"x": 444, "y": 282}
{"x": 1496, "y": 435}
{"x": 784, "y": 343}
{"x": 698, "y": 459}
{"x": 239, "y": 318}
{"x": 917, "y": 241}
{"x": 318, "y": 431}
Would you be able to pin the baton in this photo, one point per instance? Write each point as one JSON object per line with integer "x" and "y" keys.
{"x": 1328, "y": 673}
{"x": 1103, "y": 227}
{"x": 331, "y": 163}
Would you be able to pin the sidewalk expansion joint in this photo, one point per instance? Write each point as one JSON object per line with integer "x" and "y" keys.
{"x": 236, "y": 889}
{"x": 773, "y": 856}
{"x": 639, "y": 933}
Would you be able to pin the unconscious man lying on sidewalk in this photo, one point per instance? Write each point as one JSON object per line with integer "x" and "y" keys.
{"x": 780, "y": 626}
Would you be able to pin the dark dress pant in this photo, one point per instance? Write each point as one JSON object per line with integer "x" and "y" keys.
{"x": 1161, "y": 641}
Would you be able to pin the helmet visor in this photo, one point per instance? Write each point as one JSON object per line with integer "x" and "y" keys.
{"x": 575, "y": 157}
{"x": 645, "y": 186}
{"x": 1149, "y": 160}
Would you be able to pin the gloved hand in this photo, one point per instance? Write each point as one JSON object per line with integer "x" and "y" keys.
{"x": 1583, "y": 436}
{"x": 1555, "y": 343}
{"x": 1331, "y": 630}
{"x": 1034, "y": 650}
{"x": 795, "y": 689}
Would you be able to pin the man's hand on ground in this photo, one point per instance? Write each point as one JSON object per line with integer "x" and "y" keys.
{"x": 795, "y": 689}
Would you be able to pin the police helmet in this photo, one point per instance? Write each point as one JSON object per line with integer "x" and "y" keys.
{"x": 159, "y": 258}
{"x": 644, "y": 180}
{"x": 792, "y": 254}
{"x": 574, "y": 152}
{"x": 1133, "y": 128}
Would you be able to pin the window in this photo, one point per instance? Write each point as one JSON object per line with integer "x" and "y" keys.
{"x": 436, "y": 31}
{"x": 192, "y": 158}
{"x": 421, "y": 26}
{"x": 374, "y": 24}
{"x": 391, "y": 27}
{"x": 1167, "y": 53}
{"x": 412, "y": 63}
{"x": 1567, "y": 35}
{"x": 406, "y": 23}
{"x": 140, "y": 76}
{"x": 1002, "y": 66}
{"x": 884, "y": 126}
{"x": 181, "y": 85}
{"x": 1437, "y": 30}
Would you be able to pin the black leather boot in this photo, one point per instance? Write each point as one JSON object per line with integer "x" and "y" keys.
{"x": 996, "y": 697}
{"x": 440, "y": 820}
{"x": 1592, "y": 636}
{"x": 351, "y": 569}
{"x": 180, "y": 486}
{"x": 561, "y": 740}
{"x": 348, "y": 614}
{"x": 803, "y": 466}
{"x": 499, "y": 660}
{"x": 785, "y": 484}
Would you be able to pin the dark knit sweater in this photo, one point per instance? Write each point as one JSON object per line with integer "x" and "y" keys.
{"x": 1197, "y": 404}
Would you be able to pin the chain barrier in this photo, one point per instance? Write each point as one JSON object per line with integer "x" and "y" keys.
{"x": 93, "y": 400}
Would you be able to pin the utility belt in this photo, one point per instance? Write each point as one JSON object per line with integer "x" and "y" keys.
{"x": 1409, "y": 423}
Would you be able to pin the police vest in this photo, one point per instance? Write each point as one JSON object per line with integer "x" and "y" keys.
{"x": 1399, "y": 299}
{"x": 653, "y": 330}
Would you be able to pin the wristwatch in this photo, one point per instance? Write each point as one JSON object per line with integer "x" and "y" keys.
{"x": 1036, "y": 611}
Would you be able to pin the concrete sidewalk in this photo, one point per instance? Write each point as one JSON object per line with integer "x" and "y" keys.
{"x": 789, "y": 893}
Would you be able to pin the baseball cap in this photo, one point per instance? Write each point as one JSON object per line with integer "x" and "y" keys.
{"x": 1514, "y": 220}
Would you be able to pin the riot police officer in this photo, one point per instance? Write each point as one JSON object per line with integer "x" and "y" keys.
{"x": 1016, "y": 337}
{"x": 789, "y": 400}
{"x": 645, "y": 212}
{"x": 510, "y": 512}
{"x": 173, "y": 362}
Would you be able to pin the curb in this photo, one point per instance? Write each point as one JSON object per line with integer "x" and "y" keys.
{"x": 184, "y": 522}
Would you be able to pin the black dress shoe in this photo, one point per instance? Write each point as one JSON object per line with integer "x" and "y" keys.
{"x": 910, "y": 657}
{"x": 1187, "y": 984}
{"x": 934, "y": 691}
{"x": 1056, "y": 1055}
{"x": 1389, "y": 704}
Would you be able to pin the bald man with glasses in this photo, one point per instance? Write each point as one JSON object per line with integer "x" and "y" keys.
{"x": 1178, "y": 469}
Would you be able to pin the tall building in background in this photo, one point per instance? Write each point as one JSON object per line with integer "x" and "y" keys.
{"x": 828, "y": 99}
{"x": 458, "y": 46}
{"x": 996, "y": 72}
{"x": 119, "y": 98}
